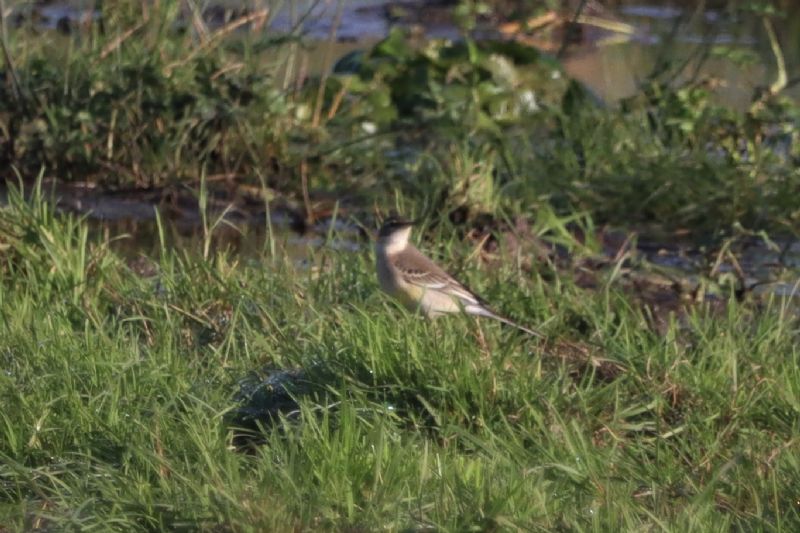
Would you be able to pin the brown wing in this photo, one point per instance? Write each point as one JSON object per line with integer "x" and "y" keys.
{"x": 420, "y": 271}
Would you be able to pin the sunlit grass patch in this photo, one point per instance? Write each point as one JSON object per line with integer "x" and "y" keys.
{"x": 219, "y": 393}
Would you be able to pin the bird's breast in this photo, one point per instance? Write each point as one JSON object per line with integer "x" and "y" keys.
{"x": 392, "y": 283}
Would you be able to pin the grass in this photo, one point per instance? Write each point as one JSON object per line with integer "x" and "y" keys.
{"x": 137, "y": 403}
{"x": 146, "y": 96}
{"x": 209, "y": 391}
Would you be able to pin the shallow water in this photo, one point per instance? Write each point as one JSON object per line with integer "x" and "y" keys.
{"x": 610, "y": 61}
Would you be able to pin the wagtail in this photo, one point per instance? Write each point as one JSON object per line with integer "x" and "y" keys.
{"x": 419, "y": 283}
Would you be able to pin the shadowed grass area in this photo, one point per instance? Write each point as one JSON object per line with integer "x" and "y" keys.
{"x": 122, "y": 398}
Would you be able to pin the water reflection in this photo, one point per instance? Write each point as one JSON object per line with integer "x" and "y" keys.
{"x": 615, "y": 49}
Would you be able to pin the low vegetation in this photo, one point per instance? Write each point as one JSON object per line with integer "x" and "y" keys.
{"x": 196, "y": 389}
{"x": 216, "y": 394}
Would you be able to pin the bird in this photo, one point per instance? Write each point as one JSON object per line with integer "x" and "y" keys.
{"x": 420, "y": 284}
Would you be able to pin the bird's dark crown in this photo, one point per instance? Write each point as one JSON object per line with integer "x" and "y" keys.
{"x": 392, "y": 224}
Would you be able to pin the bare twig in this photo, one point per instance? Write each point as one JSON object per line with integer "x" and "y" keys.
{"x": 219, "y": 34}
{"x": 327, "y": 63}
{"x": 337, "y": 98}
{"x": 197, "y": 21}
{"x": 606, "y": 24}
{"x": 228, "y": 68}
{"x": 296, "y": 27}
{"x": 306, "y": 196}
{"x": 533, "y": 24}
{"x": 116, "y": 43}
{"x": 780, "y": 82}
{"x": 291, "y": 59}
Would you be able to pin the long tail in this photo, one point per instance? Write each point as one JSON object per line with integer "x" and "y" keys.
{"x": 482, "y": 311}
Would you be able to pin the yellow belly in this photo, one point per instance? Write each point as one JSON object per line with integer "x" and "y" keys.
{"x": 410, "y": 296}
{"x": 413, "y": 297}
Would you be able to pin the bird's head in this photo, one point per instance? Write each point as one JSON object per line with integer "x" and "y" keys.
{"x": 395, "y": 232}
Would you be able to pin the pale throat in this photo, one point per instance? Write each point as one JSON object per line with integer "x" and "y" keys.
{"x": 395, "y": 242}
